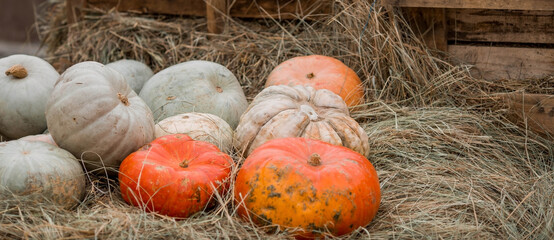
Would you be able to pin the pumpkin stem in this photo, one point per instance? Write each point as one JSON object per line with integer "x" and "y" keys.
{"x": 123, "y": 99}
{"x": 310, "y": 111}
{"x": 219, "y": 90}
{"x": 184, "y": 164}
{"x": 310, "y": 75}
{"x": 18, "y": 71}
{"x": 315, "y": 160}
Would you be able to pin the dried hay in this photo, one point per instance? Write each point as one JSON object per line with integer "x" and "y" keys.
{"x": 450, "y": 166}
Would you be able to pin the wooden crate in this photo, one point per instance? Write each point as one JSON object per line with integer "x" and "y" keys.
{"x": 503, "y": 39}
{"x": 213, "y": 10}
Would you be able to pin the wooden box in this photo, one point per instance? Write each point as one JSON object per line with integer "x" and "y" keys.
{"x": 213, "y": 10}
{"x": 502, "y": 39}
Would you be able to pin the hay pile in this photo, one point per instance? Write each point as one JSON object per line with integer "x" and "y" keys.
{"x": 450, "y": 166}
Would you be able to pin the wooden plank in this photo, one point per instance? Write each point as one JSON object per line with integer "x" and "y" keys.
{"x": 175, "y": 7}
{"x": 282, "y": 9}
{"x": 430, "y": 24}
{"x": 535, "y": 111}
{"x": 505, "y": 62}
{"x": 215, "y": 14}
{"x": 478, "y": 4}
{"x": 513, "y": 26}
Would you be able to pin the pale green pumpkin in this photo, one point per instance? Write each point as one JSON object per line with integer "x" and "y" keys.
{"x": 25, "y": 85}
{"x": 134, "y": 72}
{"x": 195, "y": 86}
{"x": 94, "y": 114}
{"x": 41, "y": 172}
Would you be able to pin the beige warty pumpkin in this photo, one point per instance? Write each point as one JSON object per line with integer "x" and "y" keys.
{"x": 284, "y": 111}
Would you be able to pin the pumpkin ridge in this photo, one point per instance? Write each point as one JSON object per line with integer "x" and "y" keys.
{"x": 251, "y": 139}
{"x": 88, "y": 123}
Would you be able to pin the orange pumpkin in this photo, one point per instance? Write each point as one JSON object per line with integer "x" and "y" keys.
{"x": 307, "y": 184}
{"x": 174, "y": 175}
{"x": 319, "y": 72}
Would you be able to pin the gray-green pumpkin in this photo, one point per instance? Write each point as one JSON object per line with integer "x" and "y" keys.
{"x": 134, "y": 72}
{"x": 94, "y": 114}
{"x": 40, "y": 172}
{"x": 25, "y": 85}
{"x": 195, "y": 86}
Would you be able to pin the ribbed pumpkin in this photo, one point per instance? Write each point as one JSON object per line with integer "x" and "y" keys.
{"x": 25, "y": 85}
{"x": 307, "y": 184}
{"x": 41, "y": 172}
{"x": 134, "y": 72}
{"x": 199, "y": 126}
{"x": 93, "y": 113}
{"x": 319, "y": 72}
{"x": 174, "y": 175}
{"x": 284, "y": 111}
{"x": 195, "y": 86}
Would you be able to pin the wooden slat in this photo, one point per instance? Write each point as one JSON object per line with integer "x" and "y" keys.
{"x": 535, "y": 111}
{"x": 430, "y": 23}
{"x": 484, "y": 25}
{"x": 478, "y": 4}
{"x": 73, "y": 12}
{"x": 215, "y": 13}
{"x": 175, "y": 7}
{"x": 505, "y": 62}
{"x": 283, "y": 9}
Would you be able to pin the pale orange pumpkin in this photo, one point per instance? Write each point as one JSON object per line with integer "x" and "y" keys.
{"x": 319, "y": 72}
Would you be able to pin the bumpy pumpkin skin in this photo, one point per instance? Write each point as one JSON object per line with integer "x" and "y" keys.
{"x": 93, "y": 113}
{"x": 199, "y": 126}
{"x": 281, "y": 183}
{"x": 135, "y": 72}
{"x": 40, "y": 171}
{"x": 174, "y": 175}
{"x": 284, "y": 111}
{"x": 45, "y": 137}
{"x": 195, "y": 86}
{"x": 320, "y": 72}
{"x": 24, "y": 91}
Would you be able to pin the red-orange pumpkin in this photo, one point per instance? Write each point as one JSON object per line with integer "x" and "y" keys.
{"x": 174, "y": 175}
{"x": 307, "y": 184}
{"x": 319, "y": 72}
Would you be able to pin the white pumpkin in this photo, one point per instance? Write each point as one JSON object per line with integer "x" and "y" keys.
{"x": 94, "y": 114}
{"x": 41, "y": 172}
{"x": 135, "y": 72}
{"x": 195, "y": 86}
{"x": 284, "y": 111}
{"x": 199, "y": 126}
{"x": 45, "y": 137}
{"x": 25, "y": 84}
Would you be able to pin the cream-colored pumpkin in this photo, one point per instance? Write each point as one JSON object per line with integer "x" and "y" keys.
{"x": 41, "y": 172}
{"x": 284, "y": 111}
{"x": 135, "y": 72}
{"x": 45, "y": 137}
{"x": 25, "y": 85}
{"x": 199, "y": 126}
{"x": 94, "y": 114}
{"x": 195, "y": 86}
